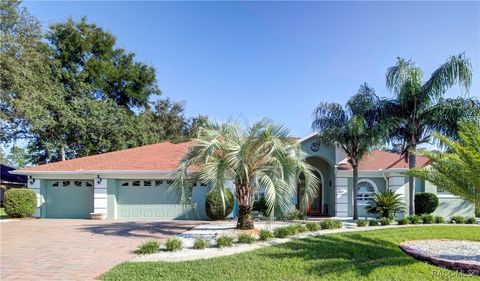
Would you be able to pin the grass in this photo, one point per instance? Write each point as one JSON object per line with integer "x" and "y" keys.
{"x": 370, "y": 255}
{"x": 3, "y": 215}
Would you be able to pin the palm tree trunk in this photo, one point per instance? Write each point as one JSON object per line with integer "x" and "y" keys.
{"x": 245, "y": 217}
{"x": 354, "y": 190}
{"x": 412, "y": 163}
{"x": 62, "y": 152}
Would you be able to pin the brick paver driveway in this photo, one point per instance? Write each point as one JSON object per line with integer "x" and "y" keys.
{"x": 57, "y": 249}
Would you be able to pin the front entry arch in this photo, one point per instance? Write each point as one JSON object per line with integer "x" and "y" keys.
{"x": 317, "y": 206}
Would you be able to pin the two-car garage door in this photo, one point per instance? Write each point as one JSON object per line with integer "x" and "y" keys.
{"x": 69, "y": 199}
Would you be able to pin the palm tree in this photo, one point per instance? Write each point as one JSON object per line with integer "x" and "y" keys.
{"x": 420, "y": 108}
{"x": 261, "y": 156}
{"x": 385, "y": 204}
{"x": 356, "y": 128}
{"x": 458, "y": 169}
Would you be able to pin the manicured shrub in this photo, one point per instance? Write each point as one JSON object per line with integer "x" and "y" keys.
{"x": 261, "y": 206}
{"x": 372, "y": 222}
{"x": 224, "y": 241}
{"x": 200, "y": 243}
{"x": 295, "y": 215}
{"x": 385, "y": 204}
{"x": 457, "y": 219}
{"x": 362, "y": 223}
{"x": 403, "y": 221}
{"x": 414, "y": 219}
{"x": 245, "y": 238}
{"x": 20, "y": 202}
{"x": 292, "y": 230}
{"x": 173, "y": 244}
{"x": 330, "y": 224}
{"x": 281, "y": 232}
{"x": 428, "y": 219}
{"x": 149, "y": 247}
{"x": 471, "y": 220}
{"x": 425, "y": 203}
{"x": 385, "y": 221}
{"x": 300, "y": 227}
{"x": 439, "y": 219}
{"x": 312, "y": 226}
{"x": 265, "y": 234}
{"x": 214, "y": 206}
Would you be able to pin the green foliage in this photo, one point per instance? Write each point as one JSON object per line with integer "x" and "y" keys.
{"x": 312, "y": 226}
{"x": 17, "y": 157}
{"x": 458, "y": 169}
{"x": 265, "y": 235}
{"x": 224, "y": 241}
{"x": 261, "y": 206}
{"x": 300, "y": 227}
{"x": 425, "y": 203}
{"x": 457, "y": 219}
{"x": 173, "y": 244}
{"x": 385, "y": 204}
{"x": 385, "y": 221}
{"x": 330, "y": 224}
{"x": 372, "y": 222}
{"x": 200, "y": 243}
{"x": 282, "y": 232}
{"x": 261, "y": 156}
{"x": 20, "y": 203}
{"x": 149, "y": 247}
{"x": 362, "y": 223}
{"x": 245, "y": 238}
{"x": 403, "y": 221}
{"x": 427, "y": 218}
{"x": 471, "y": 220}
{"x": 439, "y": 219}
{"x": 414, "y": 219}
{"x": 295, "y": 215}
{"x": 219, "y": 203}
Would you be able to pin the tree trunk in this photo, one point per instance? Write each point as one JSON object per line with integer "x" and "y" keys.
{"x": 245, "y": 217}
{"x": 62, "y": 152}
{"x": 412, "y": 163}
{"x": 354, "y": 190}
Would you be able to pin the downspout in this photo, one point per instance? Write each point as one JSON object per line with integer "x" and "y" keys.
{"x": 387, "y": 185}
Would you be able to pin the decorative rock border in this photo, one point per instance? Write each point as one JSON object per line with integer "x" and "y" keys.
{"x": 469, "y": 267}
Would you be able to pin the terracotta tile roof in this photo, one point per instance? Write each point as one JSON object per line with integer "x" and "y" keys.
{"x": 163, "y": 156}
{"x": 379, "y": 160}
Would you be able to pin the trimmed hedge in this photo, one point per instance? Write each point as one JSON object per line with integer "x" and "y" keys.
{"x": 20, "y": 203}
{"x": 214, "y": 206}
{"x": 425, "y": 203}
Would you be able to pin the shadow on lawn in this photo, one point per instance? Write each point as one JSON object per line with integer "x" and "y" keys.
{"x": 154, "y": 229}
{"x": 352, "y": 252}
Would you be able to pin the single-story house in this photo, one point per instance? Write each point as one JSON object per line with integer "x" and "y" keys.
{"x": 132, "y": 184}
{"x": 8, "y": 180}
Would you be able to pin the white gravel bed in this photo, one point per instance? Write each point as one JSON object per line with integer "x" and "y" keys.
{"x": 454, "y": 250}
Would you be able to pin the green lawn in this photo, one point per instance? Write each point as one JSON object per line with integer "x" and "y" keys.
{"x": 3, "y": 215}
{"x": 373, "y": 255}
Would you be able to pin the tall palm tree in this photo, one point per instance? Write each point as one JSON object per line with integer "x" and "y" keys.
{"x": 421, "y": 108}
{"x": 357, "y": 127}
{"x": 261, "y": 156}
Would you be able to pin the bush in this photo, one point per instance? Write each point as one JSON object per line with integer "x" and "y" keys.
{"x": 261, "y": 206}
{"x": 292, "y": 229}
{"x": 300, "y": 227}
{"x": 173, "y": 244}
{"x": 330, "y": 224}
{"x": 295, "y": 215}
{"x": 281, "y": 232}
{"x": 457, "y": 219}
{"x": 362, "y": 223}
{"x": 245, "y": 238}
{"x": 224, "y": 241}
{"x": 373, "y": 222}
{"x": 265, "y": 234}
{"x": 425, "y": 203}
{"x": 439, "y": 219}
{"x": 149, "y": 247}
{"x": 200, "y": 243}
{"x": 403, "y": 221}
{"x": 414, "y": 219}
{"x": 428, "y": 219}
{"x": 385, "y": 221}
{"x": 20, "y": 202}
{"x": 214, "y": 206}
{"x": 385, "y": 204}
{"x": 471, "y": 220}
{"x": 312, "y": 226}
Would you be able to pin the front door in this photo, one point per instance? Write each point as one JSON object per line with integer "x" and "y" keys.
{"x": 316, "y": 207}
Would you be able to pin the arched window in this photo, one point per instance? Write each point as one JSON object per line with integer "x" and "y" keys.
{"x": 365, "y": 190}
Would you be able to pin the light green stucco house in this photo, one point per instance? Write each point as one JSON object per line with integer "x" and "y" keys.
{"x": 133, "y": 184}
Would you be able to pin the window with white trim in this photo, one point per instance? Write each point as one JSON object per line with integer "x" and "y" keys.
{"x": 365, "y": 191}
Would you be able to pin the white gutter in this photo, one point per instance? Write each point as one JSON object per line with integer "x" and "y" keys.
{"x": 82, "y": 172}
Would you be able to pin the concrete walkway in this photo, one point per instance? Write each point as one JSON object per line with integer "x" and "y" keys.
{"x": 65, "y": 249}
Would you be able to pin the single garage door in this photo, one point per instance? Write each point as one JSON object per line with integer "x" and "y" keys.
{"x": 148, "y": 199}
{"x": 69, "y": 199}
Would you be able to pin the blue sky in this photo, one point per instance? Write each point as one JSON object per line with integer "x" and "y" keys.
{"x": 279, "y": 59}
